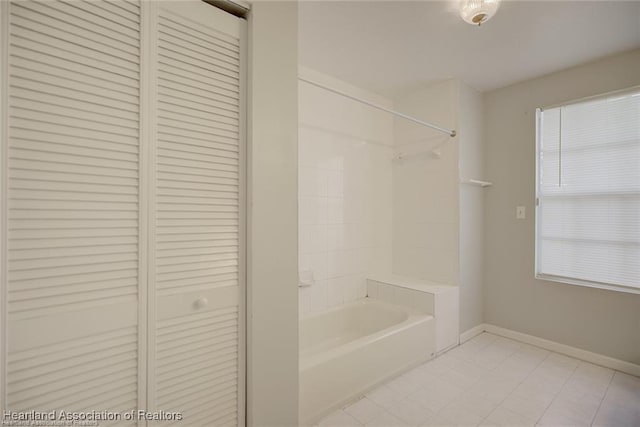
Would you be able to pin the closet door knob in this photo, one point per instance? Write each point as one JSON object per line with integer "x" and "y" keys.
{"x": 201, "y": 302}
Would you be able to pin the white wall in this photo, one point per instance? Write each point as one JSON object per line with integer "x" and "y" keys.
{"x": 272, "y": 321}
{"x": 425, "y": 188}
{"x": 471, "y": 165}
{"x": 600, "y": 321}
{"x": 345, "y": 192}
{"x": 438, "y": 224}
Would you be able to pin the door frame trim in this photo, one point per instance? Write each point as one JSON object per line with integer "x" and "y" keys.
{"x": 4, "y": 179}
{"x": 243, "y": 241}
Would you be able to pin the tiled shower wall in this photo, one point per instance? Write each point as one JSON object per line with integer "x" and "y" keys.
{"x": 345, "y": 188}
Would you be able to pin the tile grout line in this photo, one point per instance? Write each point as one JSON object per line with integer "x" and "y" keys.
{"x": 523, "y": 380}
{"x": 489, "y": 371}
{"x": 472, "y": 362}
{"x": 603, "y": 396}
{"x": 384, "y": 410}
{"x": 559, "y": 391}
{"x": 489, "y": 343}
{"x": 439, "y": 376}
{"x": 364, "y": 396}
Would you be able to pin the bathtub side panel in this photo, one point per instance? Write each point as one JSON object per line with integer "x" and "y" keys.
{"x": 447, "y": 316}
{"x": 327, "y": 386}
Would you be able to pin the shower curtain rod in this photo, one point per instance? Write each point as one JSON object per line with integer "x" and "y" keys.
{"x": 450, "y": 132}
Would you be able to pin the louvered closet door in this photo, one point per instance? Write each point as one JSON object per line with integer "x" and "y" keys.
{"x": 197, "y": 363}
{"x": 73, "y": 269}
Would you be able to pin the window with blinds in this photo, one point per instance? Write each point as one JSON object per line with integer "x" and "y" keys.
{"x": 588, "y": 192}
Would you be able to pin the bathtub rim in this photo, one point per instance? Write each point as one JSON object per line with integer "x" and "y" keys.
{"x": 414, "y": 317}
{"x": 360, "y": 301}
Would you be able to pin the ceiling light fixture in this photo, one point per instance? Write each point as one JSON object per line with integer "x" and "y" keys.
{"x": 477, "y": 12}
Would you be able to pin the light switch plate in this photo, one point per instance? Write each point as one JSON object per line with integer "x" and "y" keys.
{"x": 520, "y": 212}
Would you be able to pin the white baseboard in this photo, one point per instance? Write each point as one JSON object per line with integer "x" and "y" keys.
{"x": 587, "y": 356}
{"x": 470, "y": 333}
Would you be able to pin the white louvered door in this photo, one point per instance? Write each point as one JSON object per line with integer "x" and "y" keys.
{"x": 122, "y": 198}
{"x": 72, "y": 194}
{"x": 197, "y": 364}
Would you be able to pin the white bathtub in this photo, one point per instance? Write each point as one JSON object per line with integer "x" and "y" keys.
{"x": 347, "y": 350}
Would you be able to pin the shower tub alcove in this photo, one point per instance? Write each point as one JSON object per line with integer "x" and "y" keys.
{"x": 350, "y": 349}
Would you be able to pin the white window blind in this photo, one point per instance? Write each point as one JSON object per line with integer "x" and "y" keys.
{"x": 588, "y": 192}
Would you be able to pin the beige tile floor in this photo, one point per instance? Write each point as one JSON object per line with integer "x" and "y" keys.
{"x": 494, "y": 381}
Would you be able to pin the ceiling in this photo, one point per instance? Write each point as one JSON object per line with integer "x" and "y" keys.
{"x": 390, "y": 46}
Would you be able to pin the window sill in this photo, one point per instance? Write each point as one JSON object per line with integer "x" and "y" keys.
{"x": 586, "y": 283}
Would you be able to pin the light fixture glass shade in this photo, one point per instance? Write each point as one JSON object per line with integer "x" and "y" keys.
{"x": 476, "y": 12}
